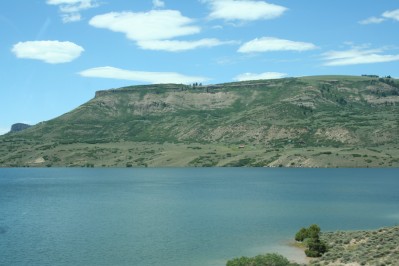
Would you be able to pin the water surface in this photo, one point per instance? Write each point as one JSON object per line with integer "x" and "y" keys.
{"x": 180, "y": 216}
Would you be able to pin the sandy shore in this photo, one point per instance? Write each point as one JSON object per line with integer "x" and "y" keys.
{"x": 293, "y": 252}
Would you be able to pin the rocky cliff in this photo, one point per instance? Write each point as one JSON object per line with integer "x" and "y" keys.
{"x": 19, "y": 127}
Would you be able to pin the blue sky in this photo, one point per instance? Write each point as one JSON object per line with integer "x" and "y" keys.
{"x": 54, "y": 54}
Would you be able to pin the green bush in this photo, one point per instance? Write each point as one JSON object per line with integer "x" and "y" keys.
{"x": 311, "y": 253}
{"x": 311, "y": 237}
{"x": 243, "y": 261}
{"x": 270, "y": 259}
{"x": 315, "y": 247}
{"x": 301, "y": 234}
{"x": 313, "y": 231}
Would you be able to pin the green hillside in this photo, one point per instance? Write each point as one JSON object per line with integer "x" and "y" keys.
{"x": 374, "y": 247}
{"x": 325, "y": 121}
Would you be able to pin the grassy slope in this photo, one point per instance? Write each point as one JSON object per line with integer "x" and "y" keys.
{"x": 378, "y": 247}
{"x": 325, "y": 121}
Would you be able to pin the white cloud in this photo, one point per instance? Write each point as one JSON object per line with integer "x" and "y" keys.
{"x": 357, "y": 56}
{"x": 371, "y": 20}
{"x": 153, "y": 25}
{"x": 141, "y": 76}
{"x": 155, "y": 30}
{"x": 394, "y": 14}
{"x": 66, "y": 18}
{"x": 270, "y": 44}
{"x": 158, "y": 3}
{"x": 245, "y": 10}
{"x": 256, "y": 76}
{"x": 53, "y": 52}
{"x": 177, "y": 46}
{"x": 70, "y": 9}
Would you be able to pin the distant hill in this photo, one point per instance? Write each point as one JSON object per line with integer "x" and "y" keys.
{"x": 321, "y": 121}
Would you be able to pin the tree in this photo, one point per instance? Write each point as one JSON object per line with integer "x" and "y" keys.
{"x": 301, "y": 234}
{"x": 316, "y": 248}
{"x": 311, "y": 237}
{"x": 313, "y": 231}
{"x": 304, "y": 233}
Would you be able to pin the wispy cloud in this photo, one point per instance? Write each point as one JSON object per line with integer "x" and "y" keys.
{"x": 244, "y": 10}
{"x": 153, "y": 25}
{"x": 256, "y": 76}
{"x": 271, "y": 44}
{"x": 52, "y": 52}
{"x": 158, "y": 3}
{"x": 391, "y": 14}
{"x": 70, "y": 9}
{"x": 154, "y": 30}
{"x": 177, "y": 46}
{"x": 141, "y": 76}
{"x": 356, "y": 56}
{"x": 371, "y": 20}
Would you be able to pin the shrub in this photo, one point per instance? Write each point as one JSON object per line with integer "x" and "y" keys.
{"x": 313, "y": 231}
{"x": 243, "y": 261}
{"x": 315, "y": 247}
{"x": 301, "y": 234}
{"x": 270, "y": 259}
{"x": 311, "y": 237}
{"x": 311, "y": 253}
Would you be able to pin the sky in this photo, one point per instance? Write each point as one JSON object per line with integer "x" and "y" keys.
{"x": 54, "y": 54}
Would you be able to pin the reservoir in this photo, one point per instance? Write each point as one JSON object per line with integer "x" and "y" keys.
{"x": 181, "y": 216}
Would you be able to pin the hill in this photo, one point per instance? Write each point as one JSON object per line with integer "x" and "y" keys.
{"x": 323, "y": 121}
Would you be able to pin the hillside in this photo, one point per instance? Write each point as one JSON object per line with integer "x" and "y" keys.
{"x": 376, "y": 247}
{"x": 324, "y": 121}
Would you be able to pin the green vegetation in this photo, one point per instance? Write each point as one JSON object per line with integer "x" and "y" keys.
{"x": 377, "y": 247}
{"x": 374, "y": 247}
{"x": 271, "y": 259}
{"x": 311, "y": 238}
{"x": 325, "y": 121}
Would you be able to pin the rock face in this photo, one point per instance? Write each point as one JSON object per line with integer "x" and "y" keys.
{"x": 19, "y": 127}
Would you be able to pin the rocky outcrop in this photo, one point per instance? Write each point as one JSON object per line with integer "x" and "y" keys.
{"x": 19, "y": 127}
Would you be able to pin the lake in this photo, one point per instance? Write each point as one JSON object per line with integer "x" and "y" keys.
{"x": 185, "y": 216}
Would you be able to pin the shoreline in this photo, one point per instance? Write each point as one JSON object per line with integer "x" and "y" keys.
{"x": 292, "y": 251}
{"x": 299, "y": 255}
{"x": 351, "y": 248}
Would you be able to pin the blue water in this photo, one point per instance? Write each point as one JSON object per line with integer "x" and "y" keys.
{"x": 180, "y": 216}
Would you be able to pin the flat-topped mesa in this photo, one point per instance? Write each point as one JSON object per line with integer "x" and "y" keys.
{"x": 155, "y": 88}
{"x": 159, "y": 88}
{"x": 107, "y": 92}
